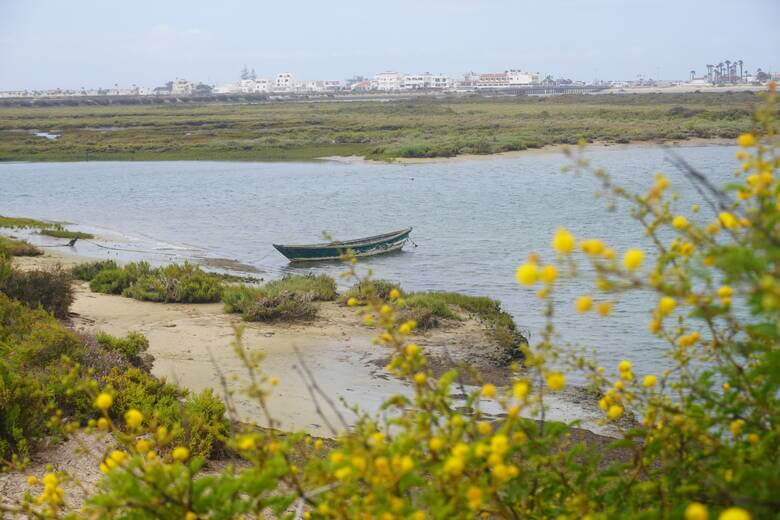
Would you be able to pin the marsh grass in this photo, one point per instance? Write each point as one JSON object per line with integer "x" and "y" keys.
{"x": 15, "y": 247}
{"x": 421, "y": 127}
{"x": 62, "y": 233}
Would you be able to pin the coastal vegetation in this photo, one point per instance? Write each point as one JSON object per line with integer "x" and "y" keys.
{"x": 419, "y": 127}
{"x": 16, "y": 247}
{"x": 705, "y": 443}
{"x": 52, "y": 229}
{"x": 175, "y": 283}
{"x": 289, "y": 298}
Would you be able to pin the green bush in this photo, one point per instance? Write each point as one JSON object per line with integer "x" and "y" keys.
{"x": 175, "y": 283}
{"x": 132, "y": 347}
{"x": 197, "y": 422}
{"x": 237, "y": 298}
{"x": 49, "y": 289}
{"x": 110, "y": 281}
{"x": 283, "y": 306}
{"x": 88, "y": 270}
{"x": 22, "y": 421}
{"x": 317, "y": 287}
{"x": 16, "y": 247}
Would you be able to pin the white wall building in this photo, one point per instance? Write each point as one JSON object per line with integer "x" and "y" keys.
{"x": 425, "y": 81}
{"x": 389, "y": 81}
{"x": 284, "y": 82}
{"x": 182, "y": 87}
{"x": 518, "y": 77}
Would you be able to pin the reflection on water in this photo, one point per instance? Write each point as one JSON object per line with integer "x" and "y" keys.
{"x": 473, "y": 221}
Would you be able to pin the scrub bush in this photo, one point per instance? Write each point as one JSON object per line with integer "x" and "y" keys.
{"x": 237, "y": 298}
{"x": 48, "y": 289}
{"x": 88, "y": 270}
{"x": 319, "y": 287}
{"x": 363, "y": 291}
{"x": 110, "y": 281}
{"x": 175, "y": 283}
{"x": 282, "y": 306}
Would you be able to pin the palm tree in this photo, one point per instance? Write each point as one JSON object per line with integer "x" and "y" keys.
{"x": 728, "y": 70}
{"x": 719, "y": 68}
{"x": 709, "y": 73}
{"x": 741, "y": 77}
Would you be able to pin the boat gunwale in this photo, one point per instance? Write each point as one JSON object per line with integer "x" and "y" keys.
{"x": 348, "y": 243}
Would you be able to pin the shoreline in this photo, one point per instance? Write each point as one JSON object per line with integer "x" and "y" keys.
{"x": 544, "y": 150}
{"x": 191, "y": 344}
{"x": 361, "y": 159}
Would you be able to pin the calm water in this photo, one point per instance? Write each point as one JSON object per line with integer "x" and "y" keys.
{"x": 474, "y": 221}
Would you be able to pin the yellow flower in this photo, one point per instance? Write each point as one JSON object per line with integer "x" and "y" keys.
{"x": 592, "y": 246}
{"x": 666, "y": 305}
{"x": 474, "y": 496}
{"x": 368, "y": 319}
{"x": 584, "y": 303}
{"x": 549, "y": 274}
{"x": 746, "y": 140}
{"x": 625, "y": 366}
{"x": 436, "y": 443}
{"x": 412, "y": 349}
{"x": 488, "y": 390}
{"x": 736, "y": 426}
{"x": 604, "y": 308}
{"x": 753, "y": 438}
{"x": 407, "y": 464}
{"x": 556, "y": 381}
{"x": 133, "y": 418}
{"x": 190, "y": 516}
{"x": 395, "y": 294}
{"x": 386, "y": 310}
{"x": 696, "y": 511}
{"x": 680, "y": 222}
{"x": 420, "y": 378}
{"x": 180, "y": 453}
{"x": 484, "y": 428}
{"x": 527, "y": 274}
{"x": 454, "y": 465}
{"x": 352, "y": 302}
{"x": 418, "y": 515}
{"x": 734, "y": 513}
{"x": 104, "y": 401}
{"x": 499, "y": 444}
{"x": 32, "y": 480}
{"x": 143, "y": 446}
{"x": 407, "y": 327}
{"x": 563, "y": 241}
{"x": 661, "y": 182}
{"x": 615, "y": 411}
{"x": 649, "y": 381}
{"x": 725, "y": 292}
{"x": 633, "y": 259}
{"x": 247, "y": 442}
{"x": 728, "y": 220}
{"x": 520, "y": 390}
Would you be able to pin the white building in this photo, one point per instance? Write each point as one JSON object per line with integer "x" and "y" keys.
{"x": 182, "y": 87}
{"x": 389, "y": 81}
{"x": 284, "y": 82}
{"x": 425, "y": 81}
{"x": 518, "y": 77}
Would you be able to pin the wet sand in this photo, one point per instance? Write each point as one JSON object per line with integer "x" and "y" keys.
{"x": 191, "y": 344}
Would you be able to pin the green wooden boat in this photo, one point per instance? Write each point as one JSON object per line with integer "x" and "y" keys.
{"x": 369, "y": 246}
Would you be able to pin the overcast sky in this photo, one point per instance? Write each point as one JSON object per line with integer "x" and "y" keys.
{"x": 74, "y": 43}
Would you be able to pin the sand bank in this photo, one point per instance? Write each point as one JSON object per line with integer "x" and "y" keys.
{"x": 191, "y": 344}
{"x": 544, "y": 150}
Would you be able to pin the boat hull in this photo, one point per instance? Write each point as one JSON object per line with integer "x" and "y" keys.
{"x": 366, "y": 247}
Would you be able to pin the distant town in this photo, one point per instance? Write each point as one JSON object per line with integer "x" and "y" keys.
{"x": 723, "y": 74}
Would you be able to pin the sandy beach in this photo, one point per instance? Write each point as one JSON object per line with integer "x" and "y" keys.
{"x": 192, "y": 346}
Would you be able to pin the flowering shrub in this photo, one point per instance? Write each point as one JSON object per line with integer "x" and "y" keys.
{"x": 705, "y": 444}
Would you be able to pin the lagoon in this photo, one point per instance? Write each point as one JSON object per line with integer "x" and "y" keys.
{"x": 474, "y": 221}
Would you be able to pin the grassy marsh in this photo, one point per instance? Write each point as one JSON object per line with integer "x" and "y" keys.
{"x": 424, "y": 127}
